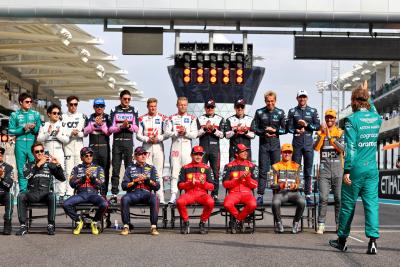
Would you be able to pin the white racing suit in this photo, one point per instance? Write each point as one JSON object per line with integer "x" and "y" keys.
{"x": 150, "y": 126}
{"x": 181, "y": 146}
{"x": 54, "y": 143}
{"x": 73, "y": 147}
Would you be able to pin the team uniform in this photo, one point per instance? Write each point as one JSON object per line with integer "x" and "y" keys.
{"x": 181, "y": 145}
{"x": 154, "y": 126}
{"x": 6, "y": 198}
{"x": 54, "y": 143}
{"x": 72, "y": 149}
{"x": 240, "y": 190}
{"x": 286, "y": 185}
{"x": 195, "y": 191}
{"x": 99, "y": 142}
{"x": 303, "y": 142}
{"x": 210, "y": 142}
{"x": 40, "y": 190}
{"x": 87, "y": 189}
{"x": 140, "y": 193}
{"x": 269, "y": 148}
{"x": 122, "y": 141}
{"x": 330, "y": 170}
{"x": 234, "y": 137}
{"x": 24, "y": 140}
{"x": 361, "y": 135}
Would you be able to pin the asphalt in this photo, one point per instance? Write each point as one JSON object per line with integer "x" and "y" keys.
{"x": 170, "y": 248}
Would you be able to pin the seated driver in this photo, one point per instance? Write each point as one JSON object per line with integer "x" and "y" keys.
{"x": 286, "y": 185}
{"x": 196, "y": 178}
{"x": 87, "y": 179}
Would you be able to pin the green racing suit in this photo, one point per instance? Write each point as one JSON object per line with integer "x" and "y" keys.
{"x": 23, "y": 140}
{"x": 361, "y": 135}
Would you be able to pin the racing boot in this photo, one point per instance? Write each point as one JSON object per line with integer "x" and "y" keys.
{"x": 372, "y": 248}
{"x": 215, "y": 197}
{"x": 113, "y": 199}
{"x": 260, "y": 200}
{"x": 279, "y": 227}
{"x": 125, "y": 230}
{"x": 23, "y": 230}
{"x": 202, "y": 227}
{"x": 51, "y": 229}
{"x": 296, "y": 227}
{"x": 7, "y": 227}
{"x": 233, "y": 226}
{"x": 93, "y": 227}
{"x": 61, "y": 200}
{"x": 339, "y": 244}
{"x": 161, "y": 197}
{"x": 78, "y": 228}
{"x": 186, "y": 228}
{"x": 321, "y": 228}
{"x": 173, "y": 199}
{"x": 153, "y": 230}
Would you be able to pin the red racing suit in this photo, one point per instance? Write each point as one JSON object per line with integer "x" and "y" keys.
{"x": 240, "y": 178}
{"x": 196, "y": 179}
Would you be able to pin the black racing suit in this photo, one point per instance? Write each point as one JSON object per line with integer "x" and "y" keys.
{"x": 6, "y": 198}
{"x": 269, "y": 149}
{"x": 122, "y": 141}
{"x": 40, "y": 189}
{"x": 210, "y": 142}
{"x": 303, "y": 142}
{"x": 99, "y": 141}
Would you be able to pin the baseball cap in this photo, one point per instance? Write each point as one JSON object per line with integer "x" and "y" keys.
{"x": 330, "y": 112}
{"x": 302, "y": 92}
{"x": 209, "y": 103}
{"x": 139, "y": 151}
{"x": 86, "y": 150}
{"x": 197, "y": 149}
{"x": 241, "y": 147}
{"x": 287, "y": 147}
{"x": 2, "y": 150}
{"x": 240, "y": 102}
{"x": 99, "y": 101}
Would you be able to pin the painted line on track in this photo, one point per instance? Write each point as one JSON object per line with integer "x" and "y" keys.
{"x": 359, "y": 240}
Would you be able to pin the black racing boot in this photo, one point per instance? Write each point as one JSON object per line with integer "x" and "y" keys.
{"x": 202, "y": 227}
{"x": 23, "y": 230}
{"x": 186, "y": 228}
{"x": 372, "y": 248}
{"x": 7, "y": 227}
{"x": 233, "y": 226}
{"x": 51, "y": 229}
{"x": 339, "y": 244}
{"x": 279, "y": 227}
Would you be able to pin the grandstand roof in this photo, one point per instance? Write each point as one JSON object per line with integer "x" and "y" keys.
{"x": 61, "y": 59}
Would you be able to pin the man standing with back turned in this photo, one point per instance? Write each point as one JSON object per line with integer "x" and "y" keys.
{"x": 361, "y": 176}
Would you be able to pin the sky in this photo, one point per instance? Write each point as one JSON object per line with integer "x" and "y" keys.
{"x": 283, "y": 74}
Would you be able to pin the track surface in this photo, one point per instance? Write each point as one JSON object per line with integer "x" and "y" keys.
{"x": 217, "y": 248}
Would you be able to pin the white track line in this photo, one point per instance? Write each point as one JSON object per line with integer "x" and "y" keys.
{"x": 359, "y": 240}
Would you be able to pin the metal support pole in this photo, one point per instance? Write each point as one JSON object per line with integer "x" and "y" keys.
{"x": 245, "y": 43}
{"x": 211, "y": 41}
{"x": 177, "y": 40}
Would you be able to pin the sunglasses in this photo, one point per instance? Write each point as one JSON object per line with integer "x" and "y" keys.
{"x": 39, "y": 151}
{"x": 239, "y": 107}
{"x": 99, "y": 106}
{"x": 286, "y": 152}
{"x": 198, "y": 154}
{"x": 142, "y": 154}
{"x": 28, "y": 101}
{"x": 126, "y": 98}
{"x": 55, "y": 113}
{"x": 89, "y": 155}
{"x": 73, "y": 104}
{"x": 210, "y": 107}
